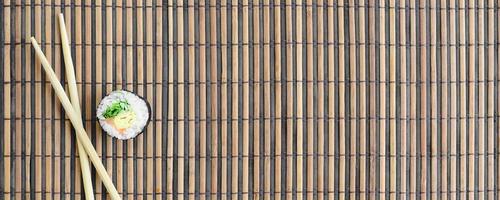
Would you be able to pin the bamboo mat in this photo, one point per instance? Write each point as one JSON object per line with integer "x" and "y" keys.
{"x": 262, "y": 99}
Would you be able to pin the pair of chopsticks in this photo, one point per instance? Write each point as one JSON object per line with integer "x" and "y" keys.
{"x": 73, "y": 93}
{"x": 72, "y": 109}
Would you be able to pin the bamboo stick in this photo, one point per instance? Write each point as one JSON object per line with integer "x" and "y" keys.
{"x": 342, "y": 175}
{"x": 191, "y": 101}
{"x": 320, "y": 77}
{"x": 223, "y": 77}
{"x": 300, "y": 122}
{"x": 246, "y": 103}
{"x": 278, "y": 189}
{"x": 470, "y": 77}
{"x": 213, "y": 97}
{"x": 413, "y": 107}
{"x": 481, "y": 94}
{"x": 463, "y": 101}
{"x": 70, "y": 112}
{"x": 353, "y": 98}
{"x": 73, "y": 93}
{"x": 170, "y": 150}
{"x": 490, "y": 76}
{"x": 383, "y": 64}
{"x": 204, "y": 170}
{"x": 404, "y": 102}
{"x": 331, "y": 104}
{"x": 433, "y": 93}
{"x": 453, "y": 102}
{"x": 267, "y": 101}
{"x": 362, "y": 102}
{"x": 392, "y": 100}
{"x": 423, "y": 180}
{"x": 290, "y": 100}
{"x": 444, "y": 104}
{"x": 236, "y": 101}
{"x": 309, "y": 108}
{"x": 181, "y": 131}
{"x": 37, "y": 146}
{"x": 371, "y": 99}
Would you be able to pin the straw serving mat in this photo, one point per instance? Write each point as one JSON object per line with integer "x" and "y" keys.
{"x": 259, "y": 99}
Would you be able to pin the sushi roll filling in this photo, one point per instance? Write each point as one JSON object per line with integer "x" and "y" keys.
{"x": 119, "y": 115}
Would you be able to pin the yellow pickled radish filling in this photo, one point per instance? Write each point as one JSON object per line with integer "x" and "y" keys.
{"x": 124, "y": 120}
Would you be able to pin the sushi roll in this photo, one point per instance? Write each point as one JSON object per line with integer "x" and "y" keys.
{"x": 122, "y": 114}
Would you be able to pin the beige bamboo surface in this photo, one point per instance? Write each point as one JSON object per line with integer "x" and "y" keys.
{"x": 267, "y": 99}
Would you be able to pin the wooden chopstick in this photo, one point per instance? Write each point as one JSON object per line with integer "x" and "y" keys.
{"x": 73, "y": 94}
{"x": 77, "y": 124}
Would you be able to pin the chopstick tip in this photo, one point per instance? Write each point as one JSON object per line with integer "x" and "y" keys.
{"x": 33, "y": 40}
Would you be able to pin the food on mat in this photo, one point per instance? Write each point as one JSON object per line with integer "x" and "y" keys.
{"x": 122, "y": 114}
